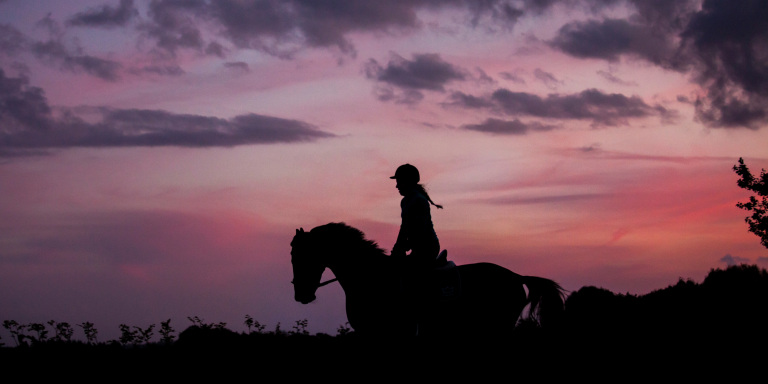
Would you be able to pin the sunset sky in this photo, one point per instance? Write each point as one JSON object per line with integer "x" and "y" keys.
{"x": 157, "y": 156}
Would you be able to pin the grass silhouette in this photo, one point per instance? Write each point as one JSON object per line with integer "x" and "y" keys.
{"x": 678, "y": 325}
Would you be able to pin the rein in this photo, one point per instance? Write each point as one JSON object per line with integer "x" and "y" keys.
{"x": 325, "y": 282}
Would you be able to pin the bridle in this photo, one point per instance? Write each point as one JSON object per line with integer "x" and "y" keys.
{"x": 301, "y": 231}
{"x": 324, "y": 283}
{"x": 335, "y": 279}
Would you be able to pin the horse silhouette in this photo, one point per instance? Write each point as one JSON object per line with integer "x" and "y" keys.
{"x": 469, "y": 299}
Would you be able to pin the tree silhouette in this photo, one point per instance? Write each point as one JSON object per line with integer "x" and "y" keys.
{"x": 758, "y": 221}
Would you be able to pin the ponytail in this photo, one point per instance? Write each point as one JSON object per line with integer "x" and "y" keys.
{"x": 420, "y": 188}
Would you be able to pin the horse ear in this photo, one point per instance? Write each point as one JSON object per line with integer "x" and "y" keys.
{"x": 302, "y": 230}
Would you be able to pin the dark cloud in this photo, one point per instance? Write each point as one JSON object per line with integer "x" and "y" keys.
{"x": 22, "y": 108}
{"x": 513, "y": 77}
{"x": 730, "y": 46}
{"x": 313, "y": 23}
{"x": 549, "y": 79}
{"x": 281, "y": 27}
{"x": 615, "y": 79}
{"x": 215, "y": 48}
{"x": 734, "y": 260}
{"x": 464, "y": 100}
{"x": 238, "y": 67}
{"x": 173, "y": 24}
{"x": 723, "y": 46}
{"x": 425, "y": 72}
{"x": 28, "y": 124}
{"x": 55, "y": 53}
{"x": 609, "y": 39}
{"x": 106, "y": 16}
{"x": 504, "y": 127}
{"x": 11, "y": 41}
{"x": 592, "y": 104}
{"x": 403, "y": 96}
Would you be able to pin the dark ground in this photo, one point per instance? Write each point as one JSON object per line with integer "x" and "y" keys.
{"x": 713, "y": 330}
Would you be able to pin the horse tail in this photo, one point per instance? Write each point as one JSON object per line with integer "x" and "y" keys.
{"x": 547, "y": 299}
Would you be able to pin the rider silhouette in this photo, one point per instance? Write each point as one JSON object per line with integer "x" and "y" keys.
{"x": 417, "y": 233}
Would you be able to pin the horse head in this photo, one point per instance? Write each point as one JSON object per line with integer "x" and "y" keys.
{"x": 307, "y": 270}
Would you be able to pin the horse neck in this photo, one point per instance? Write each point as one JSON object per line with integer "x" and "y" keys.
{"x": 358, "y": 268}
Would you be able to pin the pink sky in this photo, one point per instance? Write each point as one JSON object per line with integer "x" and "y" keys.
{"x": 155, "y": 159}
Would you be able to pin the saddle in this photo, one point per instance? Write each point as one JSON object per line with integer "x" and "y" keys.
{"x": 439, "y": 283}
{"x": 444, "y": 280}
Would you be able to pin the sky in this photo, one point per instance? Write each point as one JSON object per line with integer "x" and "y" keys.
{"x": 156, "y": 157}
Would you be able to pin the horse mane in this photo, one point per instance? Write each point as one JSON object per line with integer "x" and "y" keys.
{"x": 341, "y": 234}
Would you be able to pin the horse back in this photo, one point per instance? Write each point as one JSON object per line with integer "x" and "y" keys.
{"x": 470, "y": 298}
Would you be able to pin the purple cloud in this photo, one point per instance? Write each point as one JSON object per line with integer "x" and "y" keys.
{"x": 602, "y": 108}
{"x": 30, "y": 126}
{"x": 106, "y": 16}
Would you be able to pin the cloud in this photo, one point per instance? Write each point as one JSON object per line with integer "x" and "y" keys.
{"x": 12, "y": 41}
{"x": 167, "y": 69}
{"x": 504, "y": 127}
{"x": 730, "y": 260}
{"x": 609, "y": 39}
{"x": 730, "y": 48}
{"x": 425, "y": 72}
{"x": 282, "y": 28}
{"x": 547, "y": 78}
{"x": 173, "y": 24}
{"x": 22, "y": 107}
{"x": 592, "y": 104}
{"x": 614, "y": 79}
{"x": 238, "y": 67}
{"x": 54, "y": 52}
{"x": 723, "y": 47}
{"x": 513, "y": 77}
{"x": 105, "y": 16}
{"x": 28, "y": 124}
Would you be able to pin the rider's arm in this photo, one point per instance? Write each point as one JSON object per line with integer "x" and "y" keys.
{"x": 401, "y": 244}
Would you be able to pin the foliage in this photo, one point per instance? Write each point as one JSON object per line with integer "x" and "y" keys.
{"x": 63, "y": 330}
{"x": 39, "y": 328}
{"x": 15, "y": 329}
{"x": 733, "y": 298}
{"x": 143, "y": 336}
{"x": 90, "y": 332}
{"x": 344, "y": 329}
{"x": 166, "y": 332}
{"x": 300, "y": 328}
{"x": 758, "y": 221}
{"x": 202, "y": 324}
{"x": 251, "y": 323}
{"x": 127, "y": 335}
